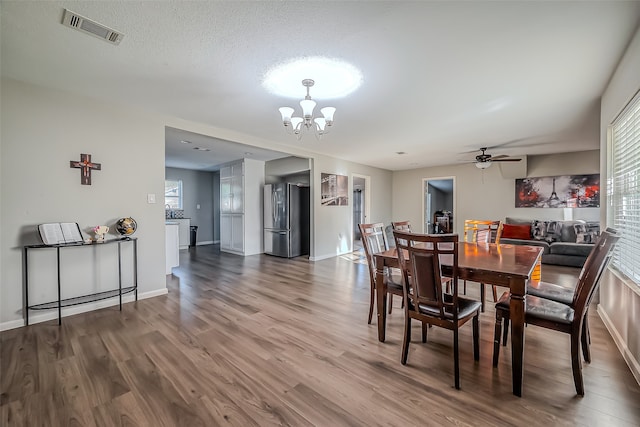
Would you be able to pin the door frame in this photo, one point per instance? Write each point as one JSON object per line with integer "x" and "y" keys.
{"x": 425, "y": 183}
{"x": 367, "y": 201}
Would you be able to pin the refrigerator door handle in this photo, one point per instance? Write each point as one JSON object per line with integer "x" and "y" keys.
{"x": 273, "y": 207}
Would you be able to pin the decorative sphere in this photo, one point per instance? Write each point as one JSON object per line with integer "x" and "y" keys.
{"x": 126, "y": 226}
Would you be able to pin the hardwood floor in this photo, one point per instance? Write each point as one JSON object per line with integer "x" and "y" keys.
{"x": 268, "y": 341}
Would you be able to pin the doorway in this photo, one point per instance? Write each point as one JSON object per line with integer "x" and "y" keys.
{"x": 361, "y": 206}
{"x": 438, "y": 205}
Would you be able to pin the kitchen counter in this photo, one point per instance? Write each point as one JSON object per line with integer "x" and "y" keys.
{"x": 172, "y": 258}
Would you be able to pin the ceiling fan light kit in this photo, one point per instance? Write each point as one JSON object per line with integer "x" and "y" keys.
{"x": 484, "y": 160}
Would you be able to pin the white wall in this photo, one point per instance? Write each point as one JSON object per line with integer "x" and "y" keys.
{"x": 486, "y": 194}
{"x": 42, "y": 130}
{"x": 286, "y": 166}
{"x": 215, "y": 182}
{"x": 253, "y": 206}
{"x": 620, "y": 300}
{"x": 332, "y": 226}
{"x": 197, "y": 189}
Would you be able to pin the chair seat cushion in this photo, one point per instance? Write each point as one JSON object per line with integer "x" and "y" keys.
{"x": 467, "y": 307}
{"x": 550, "y": 291}
{"x": 540, "y": 308}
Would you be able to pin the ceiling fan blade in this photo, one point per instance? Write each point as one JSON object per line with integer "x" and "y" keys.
{"x": 506, "y": 160}
{"x": 501, "y": 156}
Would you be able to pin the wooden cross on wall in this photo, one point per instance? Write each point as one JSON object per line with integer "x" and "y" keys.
{"x": 85, "y": 165}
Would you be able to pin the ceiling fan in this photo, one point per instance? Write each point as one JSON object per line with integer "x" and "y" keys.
{"x": 485, "y": 160}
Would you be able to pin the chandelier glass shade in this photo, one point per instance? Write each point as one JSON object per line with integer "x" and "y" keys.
{"x": 318, "y": 125}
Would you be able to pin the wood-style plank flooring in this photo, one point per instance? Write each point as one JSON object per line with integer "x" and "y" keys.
{"x": 261, "y": 341}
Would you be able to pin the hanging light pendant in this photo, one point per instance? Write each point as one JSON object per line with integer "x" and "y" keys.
{"x": 319, "y": 125}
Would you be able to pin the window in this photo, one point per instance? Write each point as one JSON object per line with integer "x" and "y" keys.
{"x": 173, "y": 194}
{"x": 624, "y": 189}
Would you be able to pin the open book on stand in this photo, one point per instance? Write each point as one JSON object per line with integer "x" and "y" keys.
{"x": 58, "y": 233}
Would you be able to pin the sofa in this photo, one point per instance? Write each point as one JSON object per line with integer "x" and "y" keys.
{"x": 565, "y": 243}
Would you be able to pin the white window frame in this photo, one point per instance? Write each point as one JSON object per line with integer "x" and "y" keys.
{"x": 178, "y": 197}
{"x": 623, "y": 182}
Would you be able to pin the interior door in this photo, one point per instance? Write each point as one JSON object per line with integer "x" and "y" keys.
{"x": 438, "y": 196}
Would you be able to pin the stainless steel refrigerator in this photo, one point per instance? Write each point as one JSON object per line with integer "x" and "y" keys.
{"x": 286, "y": 220}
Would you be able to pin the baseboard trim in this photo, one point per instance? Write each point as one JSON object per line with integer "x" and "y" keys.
{"x": 327, "y": 256}
{"x": 206, "y": 242}
{"x": 321, "y": 257}
{"x": 634, "y": 365}
{"x": 78, "y": 309}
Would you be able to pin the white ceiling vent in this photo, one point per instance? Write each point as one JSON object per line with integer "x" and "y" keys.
{"x": 87, "y": 26}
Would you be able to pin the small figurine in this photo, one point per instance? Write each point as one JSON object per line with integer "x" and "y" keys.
{"x": 100, "y": 231}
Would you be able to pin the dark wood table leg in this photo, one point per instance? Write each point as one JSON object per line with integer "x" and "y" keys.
{"x": 516, "y": 313}
{"x": 381, "y": 300}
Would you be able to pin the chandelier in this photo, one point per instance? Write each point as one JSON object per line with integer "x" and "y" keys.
{"x": 319, "y": 125}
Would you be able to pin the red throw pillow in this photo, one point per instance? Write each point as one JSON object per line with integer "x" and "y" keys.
{"x": 511, "y": 231}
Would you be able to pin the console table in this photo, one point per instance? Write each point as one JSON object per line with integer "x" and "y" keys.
{"x": 84, "y": 298}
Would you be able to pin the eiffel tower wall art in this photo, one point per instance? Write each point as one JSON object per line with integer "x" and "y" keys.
{"x": 566, "y": 191}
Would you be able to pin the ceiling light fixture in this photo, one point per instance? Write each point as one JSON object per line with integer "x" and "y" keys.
{"x": 319, "y": 125}
{"x": 483, "y": 165}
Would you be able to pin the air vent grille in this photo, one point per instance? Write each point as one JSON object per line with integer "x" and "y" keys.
{"x": 87, "y": 26}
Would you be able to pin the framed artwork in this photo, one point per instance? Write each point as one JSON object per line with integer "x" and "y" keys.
{"x": 566, "y": 191}
{"x": 334, "y": 189}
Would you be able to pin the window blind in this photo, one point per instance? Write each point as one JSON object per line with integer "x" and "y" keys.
{"x": 624, "y": 190}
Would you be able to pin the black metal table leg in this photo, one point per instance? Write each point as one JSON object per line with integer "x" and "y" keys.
{"x": 120, "y": 274}
{"x": 59, "y": 296}
{"x": 26, "y": 285}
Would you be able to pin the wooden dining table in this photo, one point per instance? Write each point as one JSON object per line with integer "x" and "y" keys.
{"x": 503, "y": 265}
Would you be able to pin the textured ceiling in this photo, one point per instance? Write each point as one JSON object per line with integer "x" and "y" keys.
{"x": 440, "y": 78}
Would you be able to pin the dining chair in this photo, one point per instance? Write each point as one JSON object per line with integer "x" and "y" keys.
{"x": 406, "y": 226}
{"x": 419, "y": 258}
{"x": 401, "y": 226}
{"x": 563, "y": 295}
{"x": 481, "y": 232}
{"x": 567, "y": 318}
{"x": 374, "y": 240}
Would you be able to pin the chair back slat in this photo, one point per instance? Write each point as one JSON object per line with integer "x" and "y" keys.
{"x": 401, "y": 226}
{"x": 425, "y": 269}
{"x": 374, "y": 240}
{"x": 420, "y": 258}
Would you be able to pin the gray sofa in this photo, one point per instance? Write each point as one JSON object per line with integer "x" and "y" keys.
{"x": 564, "y": 242}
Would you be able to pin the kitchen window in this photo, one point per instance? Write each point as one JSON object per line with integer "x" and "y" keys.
{"x": 173, "y": 194}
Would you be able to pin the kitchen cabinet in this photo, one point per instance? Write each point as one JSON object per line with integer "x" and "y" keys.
{"x": 232, "y": 233}
{"x": 241, "y": 185}
{"x": 171, "y": 242}
{"x": 184, "y": 225}
{"x": 232, "y": 188}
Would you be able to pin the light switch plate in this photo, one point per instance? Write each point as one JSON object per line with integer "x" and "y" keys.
{"x": 198, "y": 206}
{"x": 151, "y": 198}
